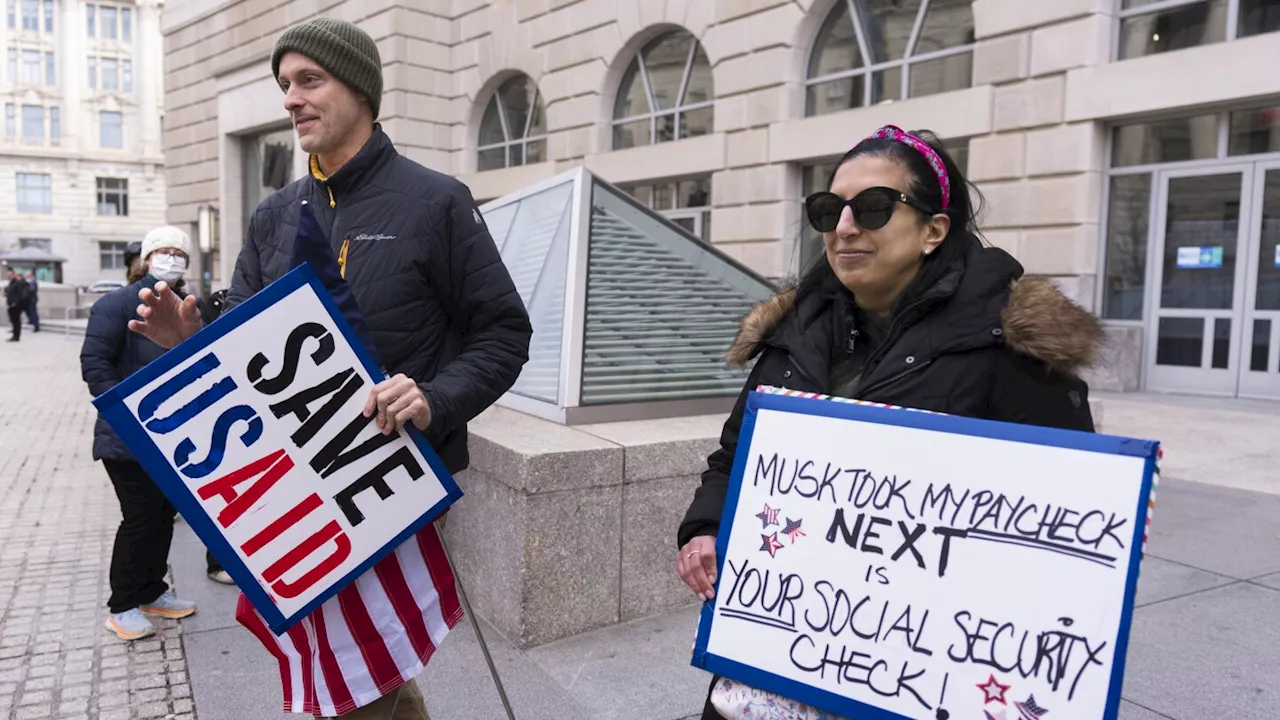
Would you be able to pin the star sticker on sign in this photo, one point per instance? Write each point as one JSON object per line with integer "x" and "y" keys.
{"x": 771, "y": 544}
{"x": 993, "y": 691}
{"x": 769, "y": 516}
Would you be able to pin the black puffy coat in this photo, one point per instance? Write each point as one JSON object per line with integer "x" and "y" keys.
{"x": 978, "y": 343}
{"x": 112, "y": 352}
{"x": 440, "y": 306}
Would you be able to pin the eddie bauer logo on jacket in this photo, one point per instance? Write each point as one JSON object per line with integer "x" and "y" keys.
{"x": 374, "y": 236}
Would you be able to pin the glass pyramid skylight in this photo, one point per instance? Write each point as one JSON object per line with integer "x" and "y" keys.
{"x": 631, "y": 315}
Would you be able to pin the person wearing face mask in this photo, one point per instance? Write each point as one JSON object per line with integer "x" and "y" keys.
{"x": 110, "y": 354}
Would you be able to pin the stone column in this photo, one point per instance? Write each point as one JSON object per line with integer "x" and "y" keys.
{"x": 71, "y": 60}
{"x": 148, "y": 59}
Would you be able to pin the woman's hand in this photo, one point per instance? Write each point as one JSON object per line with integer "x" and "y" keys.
{"x": 696, "y": 563}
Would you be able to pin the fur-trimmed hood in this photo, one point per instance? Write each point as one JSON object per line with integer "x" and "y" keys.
{"x": 1038, "y": 321}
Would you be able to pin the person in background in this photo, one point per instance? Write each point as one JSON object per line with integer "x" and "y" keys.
{"x": 16, "y": 296}
{"x": 135, "y": 269}
{"x": 906, "y": 307}
{"x": 33, "y": 316}
{"x": 110, "y": 354}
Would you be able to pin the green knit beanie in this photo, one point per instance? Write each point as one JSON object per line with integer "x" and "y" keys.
{"x": 344, "y": 50}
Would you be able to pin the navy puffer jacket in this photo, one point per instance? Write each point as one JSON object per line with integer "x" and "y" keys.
{"x": 112, "y": 352}
{"x": 440, "y": 306}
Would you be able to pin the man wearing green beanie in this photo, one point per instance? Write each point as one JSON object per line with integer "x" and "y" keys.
{"x": 446, "y": 321}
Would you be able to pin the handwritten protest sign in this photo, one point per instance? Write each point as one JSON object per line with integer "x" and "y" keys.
{"x": 254, "y": 429}
{"x": 884, "y": 563}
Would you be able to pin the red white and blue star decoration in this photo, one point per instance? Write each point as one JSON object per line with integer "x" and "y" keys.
{"x": 792, "y": 530}
{"x": 993, "y": 691}
{"x": 771, "y": 544}
{"x": 1002, "y": 716}
{"x": 769, "y": 516}
{"x": 1030, "y": 710}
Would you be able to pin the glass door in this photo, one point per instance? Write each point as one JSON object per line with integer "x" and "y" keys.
{"x": 1260, "y": 349}
{"x": 1199, "y": 287}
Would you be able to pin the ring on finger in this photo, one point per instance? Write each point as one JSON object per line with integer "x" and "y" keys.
{"x": 692, "y": 553}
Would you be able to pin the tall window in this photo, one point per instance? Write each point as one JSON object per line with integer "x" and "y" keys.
{"x": 875, "y": 51}
{"x": 112, "y": 130}
{"x": 109, "y": 28}
{"x": 513, "y": 131}
{"x": 1150, "y": 27}
{"x": 48, "y": 16}
{"x": 109, "y": 22}
{"x": 31, "y": 70}
{"x": 10, "y": 121}
{"x": 126, "y": 75}
{"x": 13, "y": 65}
{"x": 31, "y": 15}
{"x": 33, "y": 123}
{"x": 686, "y": 203}
{"x": 111, "y": 255}
{"x": 113, "y": 196}
{"x": 110, "y": 73}
{"x": 665, "y": 94}
{"x": 11, "y": 12}
{"x": 55, "y": 124}
{"x": 35, "y": 193}
{"x": 50, "y": 70}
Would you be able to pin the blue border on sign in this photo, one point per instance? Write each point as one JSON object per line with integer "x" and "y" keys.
{"x": 1032, "y": 434}
{"x": 111, "y": 405}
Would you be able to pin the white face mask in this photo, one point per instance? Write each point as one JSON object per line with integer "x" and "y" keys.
{"x": 169, "y": 268}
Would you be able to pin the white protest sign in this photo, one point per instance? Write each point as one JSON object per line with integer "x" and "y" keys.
{"x": 884, "y": 563}
{"x": 254, "y": 429}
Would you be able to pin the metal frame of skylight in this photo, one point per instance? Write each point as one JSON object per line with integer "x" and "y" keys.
{"x": 568, "y": 408}
{"x": 905, "y": 62}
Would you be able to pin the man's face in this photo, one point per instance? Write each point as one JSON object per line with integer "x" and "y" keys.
{"x": 323, "y": 109}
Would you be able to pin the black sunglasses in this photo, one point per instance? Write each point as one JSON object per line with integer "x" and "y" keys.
{"x": 872, "y": 208}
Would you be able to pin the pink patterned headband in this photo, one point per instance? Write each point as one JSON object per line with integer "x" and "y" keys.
{"x": 893, "y": 132}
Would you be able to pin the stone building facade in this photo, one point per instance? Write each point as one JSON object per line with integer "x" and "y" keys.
{"x": 81, "y": 167}
{"x": 1113, "y": 139}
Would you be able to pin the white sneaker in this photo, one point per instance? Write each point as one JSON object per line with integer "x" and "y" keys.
{"x": 130, "y": 625}
{"x": 169, "y": 606}
{"x": 222, "y": 576}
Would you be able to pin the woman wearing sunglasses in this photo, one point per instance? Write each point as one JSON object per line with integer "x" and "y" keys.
{"x": 906, "y": 307}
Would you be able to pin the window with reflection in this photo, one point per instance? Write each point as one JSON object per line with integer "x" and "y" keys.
{"x": 513, "y": 131}
{"x": 1150, "y": 27}
{"x": 870, "y": 52}
{"x": 665, "y": 94}
{"x": 686, "y": 203}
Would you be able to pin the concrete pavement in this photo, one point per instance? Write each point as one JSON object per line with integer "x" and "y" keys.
{"x": 1206, "y": 634}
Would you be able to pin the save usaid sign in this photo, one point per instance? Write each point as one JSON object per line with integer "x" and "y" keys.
{"x": 254, "y": 429}
{"x": 887, "y": 563}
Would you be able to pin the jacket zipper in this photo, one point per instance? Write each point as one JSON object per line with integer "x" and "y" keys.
{"x": 889, "y": 381}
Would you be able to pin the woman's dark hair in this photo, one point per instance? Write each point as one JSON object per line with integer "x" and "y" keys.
{"x": 965, "y": 206}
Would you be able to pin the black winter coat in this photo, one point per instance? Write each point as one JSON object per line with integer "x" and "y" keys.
{"x": 979, "y": 343}
{"x": 112, "y": 352}
{"x": 439, "y": 304}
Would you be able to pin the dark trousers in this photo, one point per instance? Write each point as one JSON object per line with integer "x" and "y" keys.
{"x": 33, "y": 317}
{"x": 141, "y": 552}
{"x": 211, "y": 563}
{"x": 15, "y": 319}
{"x": 709, "y": 710}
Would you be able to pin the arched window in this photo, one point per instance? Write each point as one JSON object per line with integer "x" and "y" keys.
{"x": 665, "y": 94}
{"x": 514, "y": 129}
{"x": 876, "y": 51}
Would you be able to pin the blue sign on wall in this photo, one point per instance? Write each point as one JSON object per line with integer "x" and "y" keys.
{"x": 1200, "y": 258}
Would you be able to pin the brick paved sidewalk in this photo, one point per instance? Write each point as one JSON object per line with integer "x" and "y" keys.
{"x": 58, "y": 516}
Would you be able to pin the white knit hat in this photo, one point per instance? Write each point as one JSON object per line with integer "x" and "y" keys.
{"x": 165, "y": 236}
